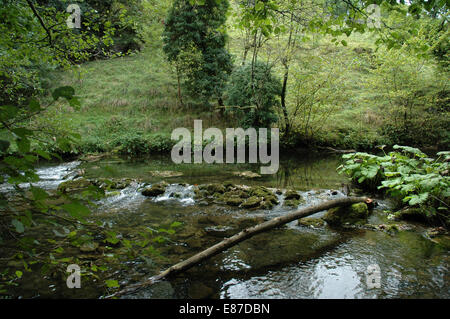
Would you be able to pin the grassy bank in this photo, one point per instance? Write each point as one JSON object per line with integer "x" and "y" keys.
{"x": 129, "y": 105}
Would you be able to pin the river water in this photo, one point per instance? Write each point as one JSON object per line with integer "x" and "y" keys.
{"x": 293, "y": 262}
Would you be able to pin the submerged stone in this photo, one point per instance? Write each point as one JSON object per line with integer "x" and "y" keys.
{"x": 165, "y": 174}
{"x": 311, "y": 222}
{"x": 354, "y": 214}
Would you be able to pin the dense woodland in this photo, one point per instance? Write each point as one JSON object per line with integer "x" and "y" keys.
{"x": 330, "y": 74}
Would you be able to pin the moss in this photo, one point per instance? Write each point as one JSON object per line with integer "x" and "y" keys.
{"x": 74, "y": 186}
{"x": 212, "y": 189}
{"x": 354, "y": 214}
{"x": 259, "y": 191}
{"x": 112, "y": 194}
{"x": 235, "y": 201}
{"x": 228, "y": 185}
{"x": 108, "y": 184}
{"x": 252, "y": 202}
{"x": 293, "y": 203}
{"x": 292, "y": 195}
{"x": 155, "y": 190}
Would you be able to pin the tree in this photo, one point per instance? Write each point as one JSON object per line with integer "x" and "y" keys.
{"x": 256, "y": 93}
{"x": 194, "y": 40}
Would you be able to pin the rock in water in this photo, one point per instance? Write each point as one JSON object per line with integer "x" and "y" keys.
{"x": 292, "y": 195}
{"x": 355, "y": 214}
{"x": 155, "y": 190}
{"x": 74, "y": 186}
{"x": 252, "y": 202}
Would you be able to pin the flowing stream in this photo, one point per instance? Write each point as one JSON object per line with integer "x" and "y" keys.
{"x": 296, "y": 261}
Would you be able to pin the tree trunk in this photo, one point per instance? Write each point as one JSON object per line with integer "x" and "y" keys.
{"x": 287, "y": 126}
{"x": 180, "y": 98}
{"x": 238, "y": 238}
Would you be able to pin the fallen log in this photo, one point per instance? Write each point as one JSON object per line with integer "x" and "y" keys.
{"x": 238, "y": 238}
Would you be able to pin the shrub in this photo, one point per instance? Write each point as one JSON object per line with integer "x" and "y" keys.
{"x": 256, "y": 97}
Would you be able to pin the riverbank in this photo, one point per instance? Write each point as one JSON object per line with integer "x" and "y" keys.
{"x": 129, "y": 105}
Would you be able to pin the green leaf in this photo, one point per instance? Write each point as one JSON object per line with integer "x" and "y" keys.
{"x": 19, "y": 274}
{"x": 38, "y": 193}
{"x": 418, "y": 199}
{"x": 175, "y": 224}
{"x": 34, "y": 106}
{"x": 77, "y": 210}
{"x": 112, "y": 284}
{"x": 22, "y": 132}
{"x": 43, "y": 154}
{"x": 4, "y": 145}
{"x": 24, "y": 145}
{"x": 8, "y": 112}
{"x": 18, "y": 225}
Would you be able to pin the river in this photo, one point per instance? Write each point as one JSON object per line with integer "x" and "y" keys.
{"x": 296, "y": 261}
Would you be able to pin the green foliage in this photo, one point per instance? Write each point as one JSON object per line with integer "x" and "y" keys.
{"x": 257, "y": 96}
{"x": 35, "y": 40}
{"x": 194, "y": 40}
{"x": 411, "y": 94}
{"x": 407, "y": 174}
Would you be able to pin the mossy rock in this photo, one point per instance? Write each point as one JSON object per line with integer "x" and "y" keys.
{"x": 292, "y": 195}
{"x": 311, "y": 222}
{"x": 74, "y": 186}
{"x": 294, "y": 203}
{"x": 213, "y": 189}
{"x": 229, "y": 185}
{"x": 252, "y": 202}
{"x": 266, "y": 205}
{"x": 388, "y": 228}
{"x": 259, "y": 191}
{"x": 354, "y": 214}
{"x": 113, "y": 194}
{"x": 108, "y": 184}
{"x": 155, "y": 190}
{"x": 235, "y": 201}
{"x": 175, "y": 195}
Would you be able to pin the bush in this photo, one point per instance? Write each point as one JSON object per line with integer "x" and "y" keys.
{"x": 259, "y": 96}
{"x": 131, "y": 144}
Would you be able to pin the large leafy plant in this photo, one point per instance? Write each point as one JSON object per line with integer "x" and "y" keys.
{"x": 406, "y": 174}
